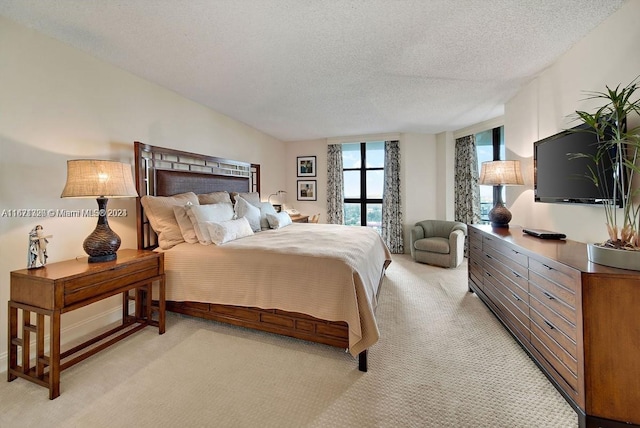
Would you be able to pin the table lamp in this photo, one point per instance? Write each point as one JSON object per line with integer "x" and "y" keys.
{"x": 100, "y": 179}
{"x": 498, "y": 174}
{"x": 279, "y": 198}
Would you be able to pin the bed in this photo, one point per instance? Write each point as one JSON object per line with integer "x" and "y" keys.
{"x": 314, "y": 282}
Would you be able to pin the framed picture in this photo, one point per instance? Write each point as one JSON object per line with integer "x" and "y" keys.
{"x": 307, "y": 190}
{"x": 306, "y": 166}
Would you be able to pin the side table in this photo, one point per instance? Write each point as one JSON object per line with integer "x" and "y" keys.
{"x": 62, "y": 287}
{"x": 299, "y": 218}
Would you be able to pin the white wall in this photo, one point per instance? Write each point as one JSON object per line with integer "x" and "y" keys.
{"x": 58, "y": 103}
{"x": 426, "y": 175}
{"x": 609, "y": 55}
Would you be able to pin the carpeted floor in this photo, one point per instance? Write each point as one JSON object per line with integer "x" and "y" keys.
{"x": 443, "y": 360}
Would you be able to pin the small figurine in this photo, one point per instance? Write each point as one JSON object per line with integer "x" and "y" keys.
{"x": 37, "y": 248}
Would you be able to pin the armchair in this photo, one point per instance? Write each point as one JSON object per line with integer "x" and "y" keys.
{"x": 438, "y": 242}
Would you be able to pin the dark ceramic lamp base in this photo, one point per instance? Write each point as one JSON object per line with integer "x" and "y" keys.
{"x": 103, "y": 243}
{"x": 499, "y": 216}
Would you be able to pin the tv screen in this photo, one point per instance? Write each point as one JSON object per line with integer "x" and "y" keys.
{"x": 559, "y": 179}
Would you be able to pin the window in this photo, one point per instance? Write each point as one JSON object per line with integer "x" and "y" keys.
{"x": 363, "y": 169}
{"x": 489, "y": 146}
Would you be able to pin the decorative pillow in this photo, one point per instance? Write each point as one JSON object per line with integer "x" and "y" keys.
{"x": 249, "y": 211}
{"x": 159, "y": 211}
{"x": 214, "y": 198}
{"x": 266, "y": 208}
{"x": 185, "y": 223}
{"x": 229, "y": 230}
{"x": 252, "y": 197}
{"x": 279, "y": 220}
{"x": 201, "y": 214}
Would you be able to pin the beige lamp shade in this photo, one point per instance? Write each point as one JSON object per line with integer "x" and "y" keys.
{"x": 89, "y": 178}
{"x": 501, "y": 173}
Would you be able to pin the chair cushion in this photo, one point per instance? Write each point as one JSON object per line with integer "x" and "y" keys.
{"x": 433, "y": 245}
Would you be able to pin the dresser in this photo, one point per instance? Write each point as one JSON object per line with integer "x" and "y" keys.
{"x": 579, "y": 321}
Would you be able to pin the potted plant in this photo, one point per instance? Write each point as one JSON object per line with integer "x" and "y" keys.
{"x": 618, "y": 146}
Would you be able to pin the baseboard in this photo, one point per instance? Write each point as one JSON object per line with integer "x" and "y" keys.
{"x": 76, "y": 331}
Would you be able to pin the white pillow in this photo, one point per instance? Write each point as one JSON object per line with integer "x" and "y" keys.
{"x": 229, "y": 230}
{"x": 266, "y": 208}
{"x": 159, "y": 211}
{"x": 252, "y": 197}
{"x": 279, "y": 220}
{"x": 185, "y": 223}
{"x": 248, "y": 211}
{"x": 201, "y": 214}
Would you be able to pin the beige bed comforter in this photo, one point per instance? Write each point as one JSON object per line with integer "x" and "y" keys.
{"x": 330, "y": 272}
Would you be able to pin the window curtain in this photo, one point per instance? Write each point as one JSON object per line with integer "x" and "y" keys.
{"x": 335, "y": 185}
{"x": 467, "y": 192}
{"x": 392, "y": 232}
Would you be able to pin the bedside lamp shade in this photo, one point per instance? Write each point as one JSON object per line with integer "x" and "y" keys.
{"x": 498, "y": 174}
{"x": 100, "y": 179}
{"x": 88, "y": 178}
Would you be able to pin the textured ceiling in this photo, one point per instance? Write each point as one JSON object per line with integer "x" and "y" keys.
{"x": 305, "y": 69}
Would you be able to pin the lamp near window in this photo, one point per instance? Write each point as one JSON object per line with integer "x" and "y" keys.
{"x": 100, "y": 179}
{"x": 279, "y": 199}
{"x": 498, "y": 174}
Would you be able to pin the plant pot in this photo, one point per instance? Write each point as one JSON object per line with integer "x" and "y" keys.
{"x": 613, "y": 257}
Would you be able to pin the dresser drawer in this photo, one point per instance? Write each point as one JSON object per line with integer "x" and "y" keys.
{"x": 475, "y": 247}
{"x": 476, "y": 271}
{"x": 552, "y": 271}
{"x": 552, "y": 290}
{"x": 563, "y": 325}
{"x": 106, "y": 282}
{"x": 549, "y": 350}
{"x": 515, "y": 293}
{"x": 540, "y": 324}
{"x": 552, "y": 302}
{"x": 491, "y": 255}
{"x": 518, "y": 304}
{"x": 514, "y": 280}
{"x": 474, "y": 234}
{"x": 514, "y": 309}
{"x": 510, "y": 252}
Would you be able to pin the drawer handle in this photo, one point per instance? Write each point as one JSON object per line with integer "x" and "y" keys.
{"x": 515, "y": 274}
{"x": 549, "y": 296}
{"x": 549, "y": 324}
{"x": 488, "y": 256}
{"x": 548, "y": 267}
{"x": 515, "y": 296}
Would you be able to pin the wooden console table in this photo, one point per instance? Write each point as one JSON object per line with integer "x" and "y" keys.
{"x": 299, "y": 218}
{"x": 577, "y": 320}
{"x": 62, "y": 287}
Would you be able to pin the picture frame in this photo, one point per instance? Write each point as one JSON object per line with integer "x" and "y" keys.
{"x": 307, "y": 190}
{"x": 306, "y": 166}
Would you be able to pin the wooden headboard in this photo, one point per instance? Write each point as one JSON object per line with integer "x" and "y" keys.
{"x": 165, "y": 172}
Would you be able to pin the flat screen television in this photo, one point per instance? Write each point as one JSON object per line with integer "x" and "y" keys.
{"x": 560, "y": 179}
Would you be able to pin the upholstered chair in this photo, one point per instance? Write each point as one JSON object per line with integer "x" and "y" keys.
{"x": 438, "y": 242}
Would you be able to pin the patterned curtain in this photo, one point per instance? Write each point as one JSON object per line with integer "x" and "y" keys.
{"x": 467, "y": 191}
{"x": 335, "y": 185}
{"x": 392, "y": 232}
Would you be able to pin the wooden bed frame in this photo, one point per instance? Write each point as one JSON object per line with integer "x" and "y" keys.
{"x": 166, "y": 172}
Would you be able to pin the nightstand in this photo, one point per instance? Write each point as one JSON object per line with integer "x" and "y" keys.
{"x": 62, "y": 287}
{"x": 299, "y": 218}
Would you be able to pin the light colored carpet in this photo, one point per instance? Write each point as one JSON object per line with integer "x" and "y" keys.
{"x": 443, "y": 361}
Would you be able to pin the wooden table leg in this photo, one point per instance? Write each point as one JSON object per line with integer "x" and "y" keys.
{"x": 13, "y": 348}
{"x": 54, "y": 356}
{"x": 40, "y": 346}
{"x": 26, "y": 341}
{"x": 162, "y": 305}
